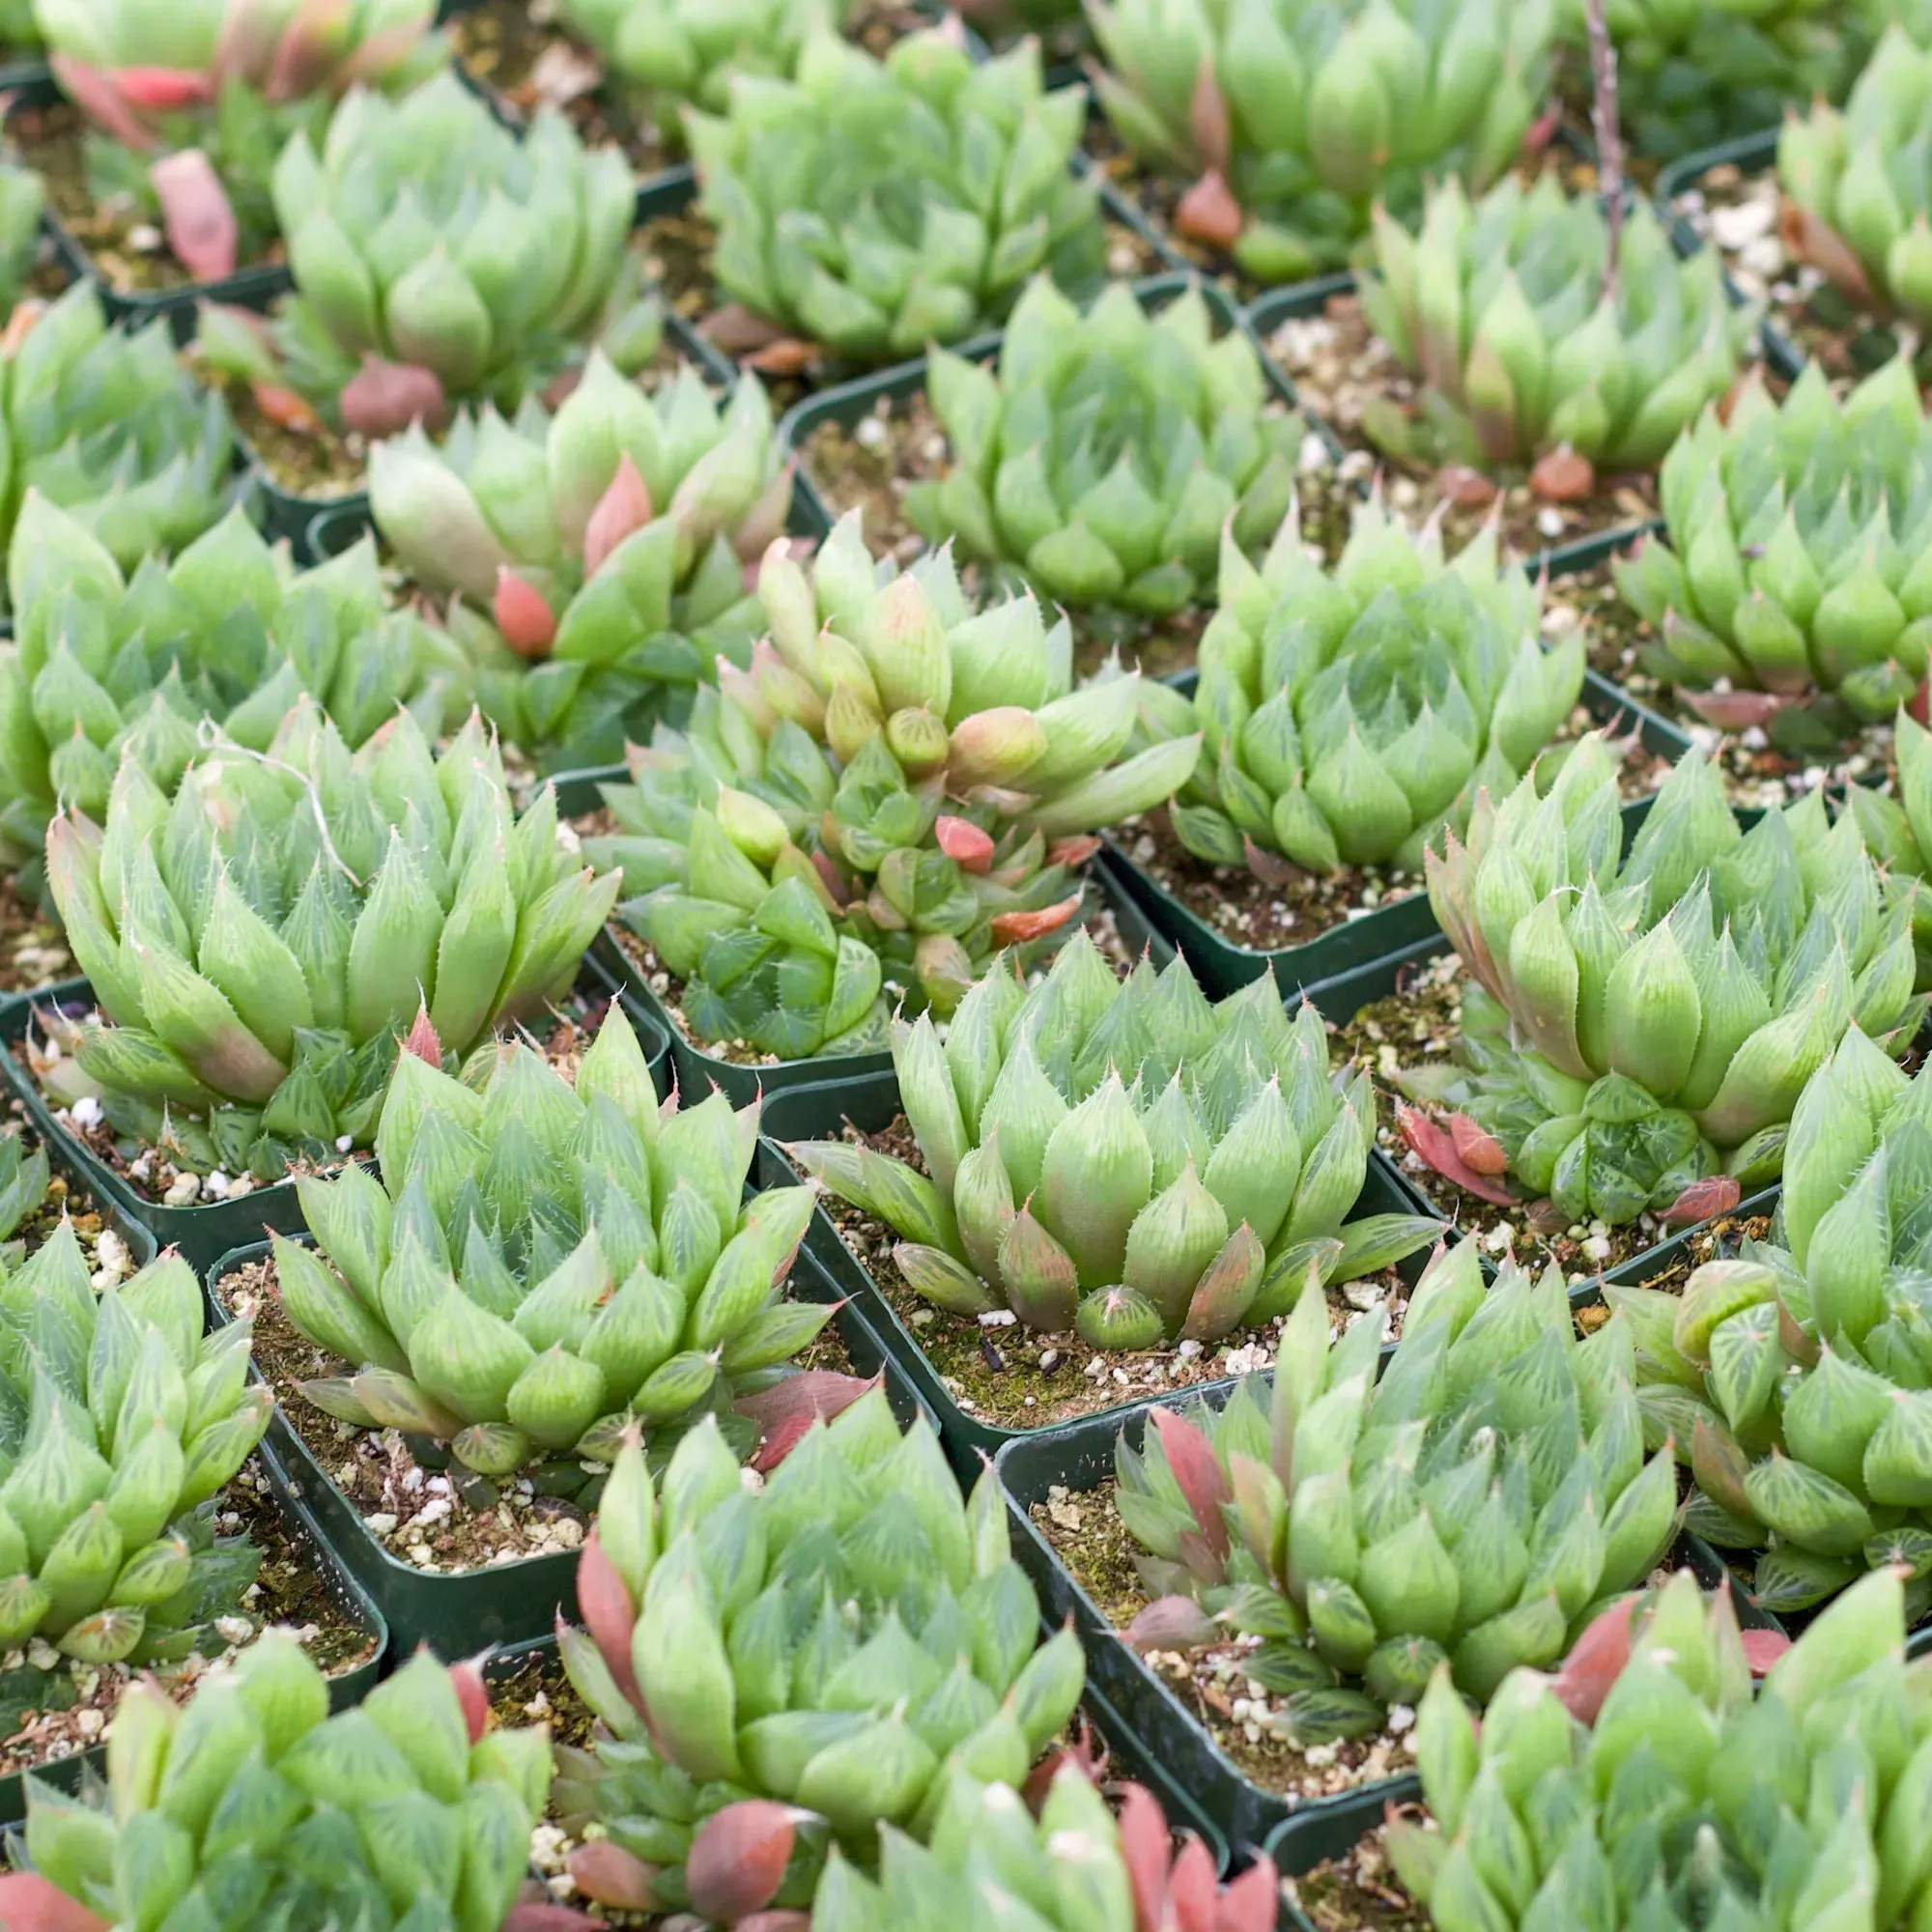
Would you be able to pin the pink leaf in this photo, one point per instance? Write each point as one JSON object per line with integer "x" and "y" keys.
{"x": 624, "y": 506}
{"x": 1012, "y": 928}
{"x": 1702, "y": 1199}
{"x": 607, "y": 1874}
{"x": 1084, "y": 1753}
{"x": 162, "y": 90}
{"x": 424, "y": 1041}
{"x": 835, "y": 881}
{"x": 30, "y": 1903}
{"x": 1172, "y": 1623}
{"x": 1439, "y": 1151}
{"x": 1207, "y": 116}
{"x": 1595, "y": 1662}
{"x": 375, "y": 57}
{"x": 1920, "y": 703}
{"x": 1144, "y": 1850}
{"x": 305, "y": 54}
{"x": 384, "y": 398}
{"x": 1763, "y": 1648}
{"x": 737, "y": 330}
{"x": 604, "y": 1601}
{"x": 196, "y": 213}
{"x": 1073, "y": 850}
{"x": 737, "y": 1861}
{"x": 1250, "y": 1903}
{"x": 790, "y": 1407}
{"x": 1468, "y": 489}
{"x": 1191, "y": 1889}
{"x": 99, "y": 99}
{"x": 1563, "y": 477}
{"x": 1209, "y": 212}
{"x": 281, "y": 404}
{"x": 546, "y": 1915}
{"x": 523, "y": 614}
{"x": 473, "y": 1694}
{"x": 964, "y": 842}
{"x": 774, "y": 1921}
{"x": 1734, "y": 710}
{"x": 1197, "y": 1468}
{"x": 764, "y": 522}
{"x": 1478, "y": 1148}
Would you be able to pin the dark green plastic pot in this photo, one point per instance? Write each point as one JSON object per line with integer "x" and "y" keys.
{"x": 819, "y": 1113}
{"x": 202, "y": 1232}
{"x": 459, "y": 1613}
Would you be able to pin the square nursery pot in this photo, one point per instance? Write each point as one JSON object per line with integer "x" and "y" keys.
{"x": 205, "y": 1231}
{"x": 458, "y": 1613}
{"x": 869, "y": 1103}
{"x": 1224, "y": 967}
{"x": 252, "y": 287}
{"x": 345, "y": 1687}
{"x": 697, "y": 1071}
{"x": 1341, "y": 998}
{"x": 1749, "y": 155}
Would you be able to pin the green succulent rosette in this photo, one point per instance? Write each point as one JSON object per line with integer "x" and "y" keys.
{"x": 119, "y": 1421}
{"x": 1125, "y": 1161}
{"x": 1524, "y": 342}
{"x": 600, "y": 552}
{"x": 258, "y": 942}
{"x": 543, "y": 1263}
{"x": 1293, "y": 118}
{"x": 254, "y": 1805}
{"x": 1794, "y": 1373}
{"x": 1638, "y": 1027}
{"x": 899, "y": 787}
{"x": 1654, "y": 1787}
{"x": 1792, "y": 587}
{"x": 22, "y": 202}
{"x": 875, "y": 207}
{"x": 840, "y": 1641}
{"x": 1468, "y": 1512}
{"x": 1101, "y": 454}
{"x": 1350, "y": 717}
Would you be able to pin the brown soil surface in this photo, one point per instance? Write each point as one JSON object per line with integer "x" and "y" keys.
{"x": 32, "y": 951}
{"x": 1359, "y": 1891}
{"x": 311, "y": 460}
{"x": 125, "y": 242}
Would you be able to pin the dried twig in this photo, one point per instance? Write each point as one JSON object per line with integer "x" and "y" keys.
{"x": 1609, "y": 141}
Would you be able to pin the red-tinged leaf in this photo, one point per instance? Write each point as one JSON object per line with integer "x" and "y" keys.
{"x": 560, "y": 387}
{"x": 523, "y": 614}
{"x": 563, "y": 73}
{"x": 424, "y": 1041}
{"x": 1270, "y": 868}
{"x": 1596, "y": 1662}
{"x": 246, "y": 46}
{"x": 1466, "y": 488}
{"x": 304, "y": 55}
{"x": 1542, "y": 130}
{"x": 788, "y": 356}
{"x": 1920, "y": 704}
{"x": 1085, "y": 1754}
{"x": 161, "y": 90}
{"x": 1172, "y": 1623}
{"x": 835, "y": 882}
{"x": 1478, "y": 1147}
{"x": 21, "y": 324}
{"x": 787, "y": 1409}
{"x": 384, "y": 398}
{"x": 1763, "y": 1648}
{"x": 1191, "y": 1889}
{"x": 1012, "y": 928}
{"x": 1438, "y": 1149}
{"x": 763, "y": 524}
{"x": 1144, "y": 1850}
{"x": 1209, "y": 212}
{"x": 546, "y": 1915}
{"x": 1251, "y": 1902}
{"x": 100, "y": 100}
{"x": 604, "y": 1602}
{"x": 1702, "y": 1199}
{"x": 737, "y": 1861}
{"x": 1207, "y": 116}
{"x": 1563, "y": 477}
{"x": 739, "y": 330}
{"x": 624, "y": 506}
{"x": 1075, "y": 850}
{"x": 774, "y": 1921}
{"x": 1816, "y": 241}
{"x": 1734, "y": 710}
{"x": 964, "y": 842}
{"x": 374, "y": 57}
{"x": 473, "y": 1694}
{"x": 1204, "y": 1483}
{"x": 30, "y": 1903}
{"x": 1546, "y": 1218}
{"x": 281, "y": 404}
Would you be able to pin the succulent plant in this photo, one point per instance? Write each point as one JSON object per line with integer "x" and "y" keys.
{"x": 1523, "y": 344}
{"x": 606, "y": 542}
{"x": 1296, "y": 116}
{"x": 1797, "y": 1370}
{"x": 104, "y": 423}
{"x": 1636, "y": 1029}
{"x": 118, "y": 1420}
{"x": 875, "y": 207}
{"x": 670, "y": 52}
{"x": 257, "y": 945}
{"x": 1126, "y": 1160}
{"x": 1688, "y": 1802}
{"x": 437, "y": 257}
{"x": 1075, "y": 1867}
{"x": 899, "y": 787}
{"x": 19, "y": 31}
{"x": 105, "y": 668}
{"x": 22, "y": 200}
{"x": 1102, "y": 454}
{"x": 1690, "y": 76}
{"x": 541, "y": 1262}
{"x": 195, "y": 99}
{"x": 837, "y": 1642}
{"x": 1470, "y": 1506}
{"x": 1349, "y": 715}
{"x": 254, "y": 1806}
{"x": 1794, "y": 589}
{"x": 1855, "y": 194}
